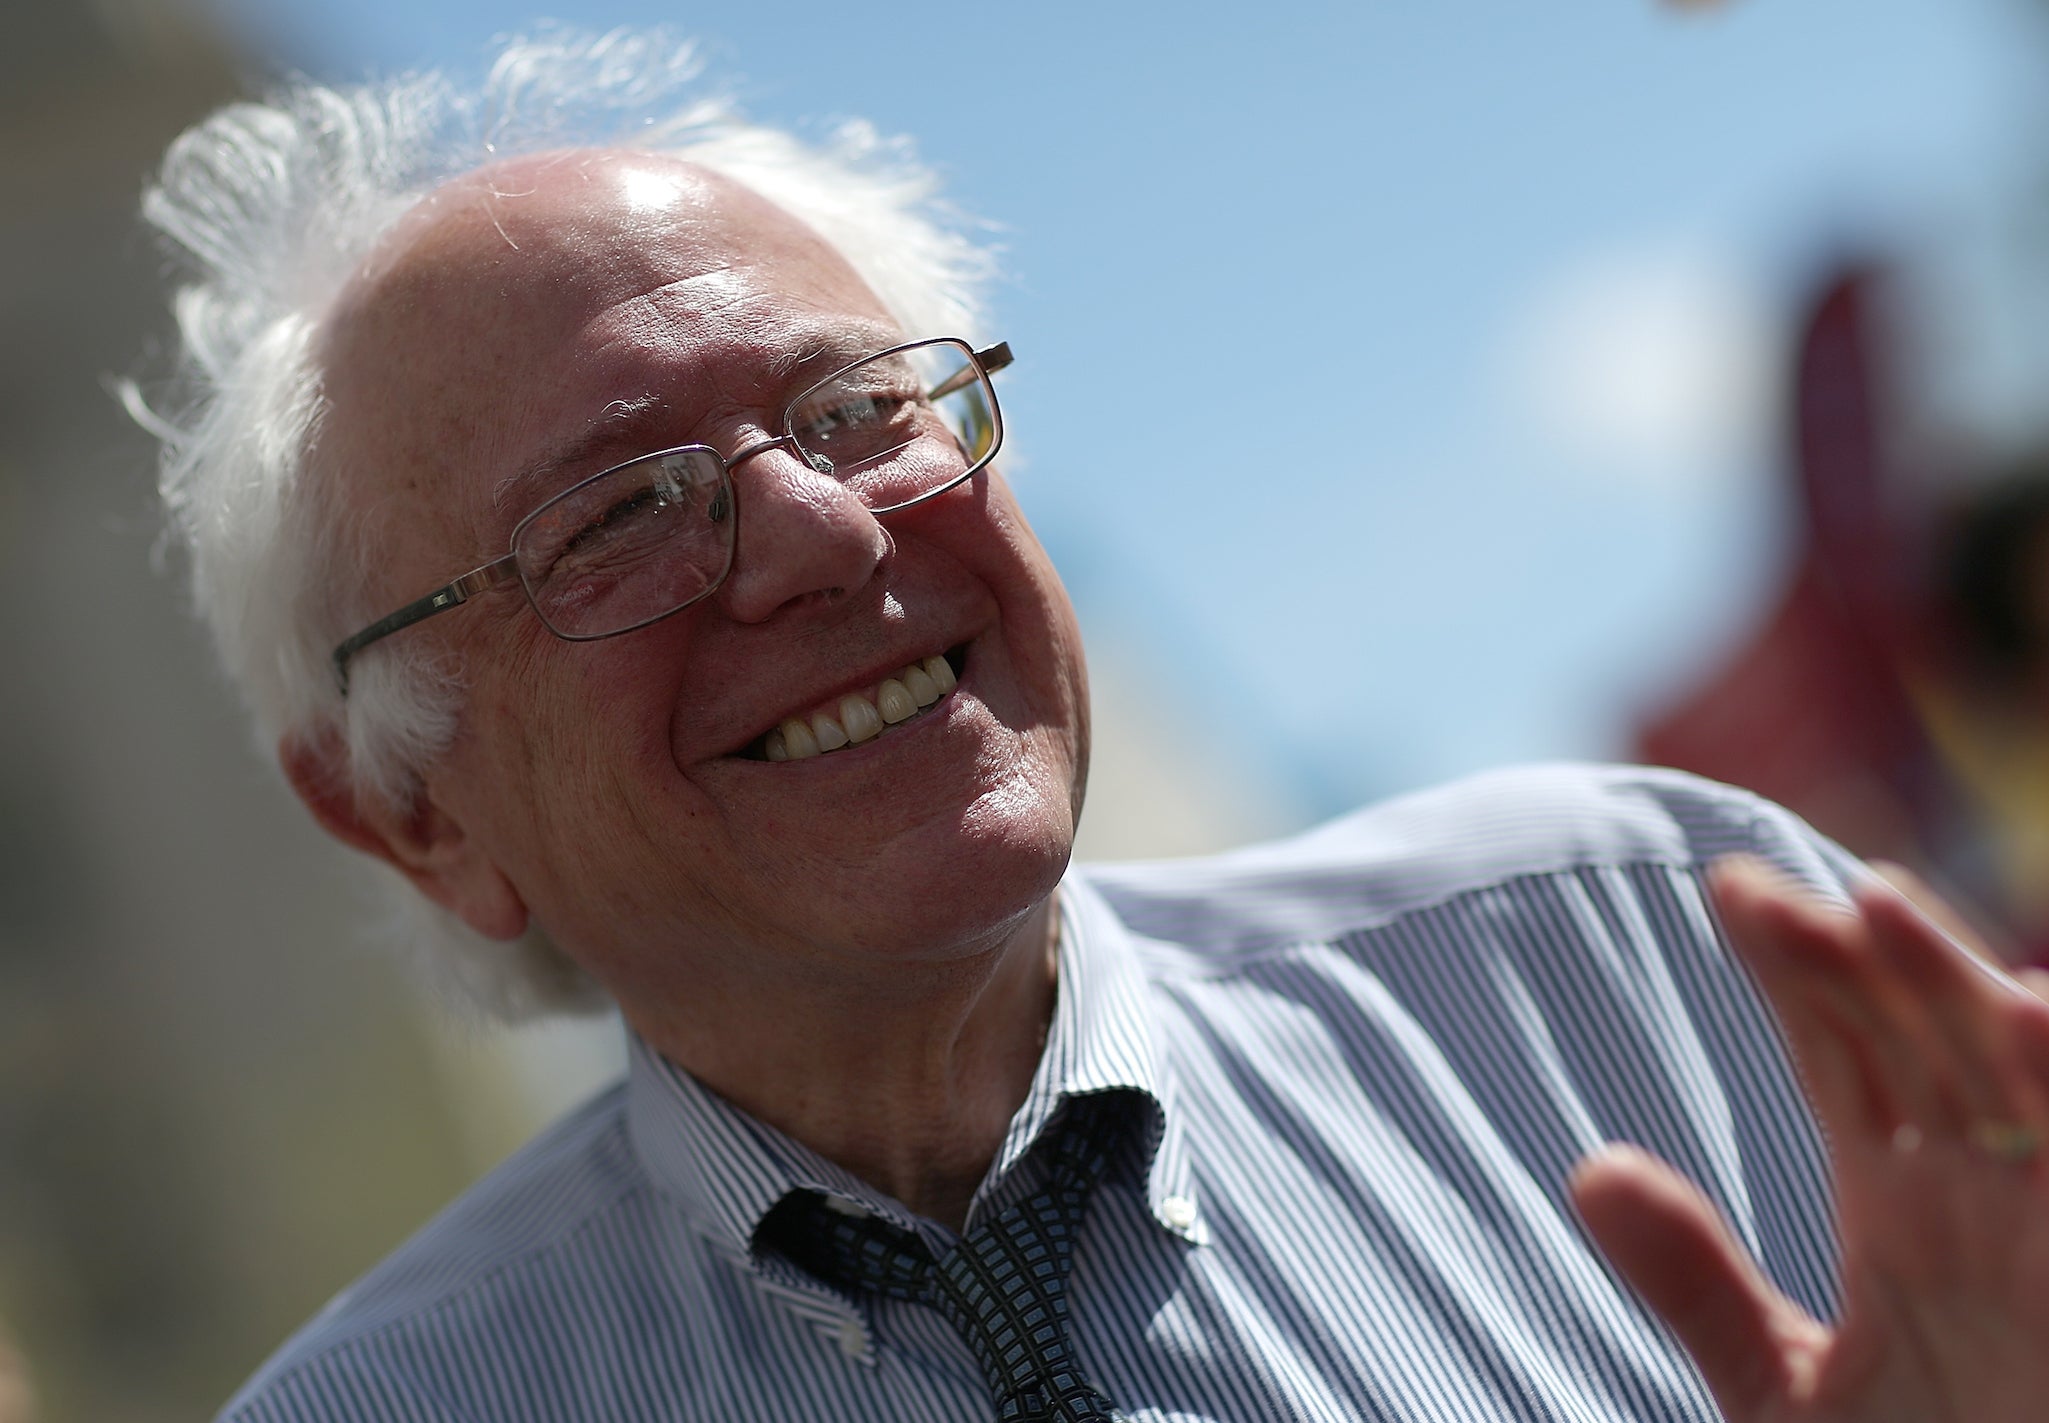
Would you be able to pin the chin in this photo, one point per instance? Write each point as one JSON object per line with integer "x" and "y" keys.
{"x": 1000, "y": 861}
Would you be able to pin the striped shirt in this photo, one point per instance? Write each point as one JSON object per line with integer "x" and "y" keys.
{"x": 1369, "y": 1057}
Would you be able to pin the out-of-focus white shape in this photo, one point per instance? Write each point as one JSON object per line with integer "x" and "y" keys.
{"x": 1656, "y": 364}
{"x": 502, "y": 1084}
{"x": 1160, "y": 786}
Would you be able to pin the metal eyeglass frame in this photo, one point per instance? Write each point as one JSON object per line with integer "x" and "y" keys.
{"x": 504, "y": 569}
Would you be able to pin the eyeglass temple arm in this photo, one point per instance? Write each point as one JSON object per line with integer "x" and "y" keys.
{"x": 991, "y": 360}
{"x": 477, "y": 580}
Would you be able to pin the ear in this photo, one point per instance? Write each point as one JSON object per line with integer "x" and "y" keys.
{"x": 422, "y": 841}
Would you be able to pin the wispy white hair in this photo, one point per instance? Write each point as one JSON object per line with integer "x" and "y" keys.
{"x": 274, "y": 205}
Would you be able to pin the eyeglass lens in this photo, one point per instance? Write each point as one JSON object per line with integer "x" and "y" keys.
{"x": 638, "y": 542}
{"x": 629, "y": 546}
{"x": 899, "y": 426}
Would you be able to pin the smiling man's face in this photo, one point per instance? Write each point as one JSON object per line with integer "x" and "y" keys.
{"x": 604, "y": 305}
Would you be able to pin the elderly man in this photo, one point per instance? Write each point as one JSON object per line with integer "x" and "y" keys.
{"x": 608, "y": 536}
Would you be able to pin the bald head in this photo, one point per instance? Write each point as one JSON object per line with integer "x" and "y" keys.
{"x": 496, "y": 319}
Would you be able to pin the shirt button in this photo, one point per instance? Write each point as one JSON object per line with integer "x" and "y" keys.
{"x": 1178, "y": 1212}
{"x": 853, "y": 1338}
{"x": 839, "y": 1205}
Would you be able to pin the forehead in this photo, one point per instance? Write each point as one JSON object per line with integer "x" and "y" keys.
{"x": 511, "y": 309}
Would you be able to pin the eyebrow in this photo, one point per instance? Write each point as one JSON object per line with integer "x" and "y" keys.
{"x": 624, "y": 422}
{"x": 615, "y": 427}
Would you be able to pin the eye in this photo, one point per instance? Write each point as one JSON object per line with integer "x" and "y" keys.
{"x": 836, "y": 415}
{"x": 606, "y": 525}
{"x": 613, "y": 521}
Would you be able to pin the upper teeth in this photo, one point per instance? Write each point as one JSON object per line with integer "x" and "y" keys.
{"x": 858, "y": 718}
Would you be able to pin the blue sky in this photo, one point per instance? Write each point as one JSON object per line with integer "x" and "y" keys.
{"x": 1395, "y": 381}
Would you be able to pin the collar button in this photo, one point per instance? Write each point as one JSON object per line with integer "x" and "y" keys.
{"x": 853, "y": 1339}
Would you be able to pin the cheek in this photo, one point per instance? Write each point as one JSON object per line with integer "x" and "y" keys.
{"x": 1077, "y": 680}
{"x": 1043, "y": 641}
{"x": 1041, "y": 624}
{"x": 577, "y": 731}
{"x": 1052, "y": 663}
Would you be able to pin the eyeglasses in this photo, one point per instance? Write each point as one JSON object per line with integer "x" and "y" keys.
{"x": 642, "y": 540}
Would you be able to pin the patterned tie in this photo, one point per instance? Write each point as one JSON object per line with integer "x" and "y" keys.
{"x": 1003, "y": 1287}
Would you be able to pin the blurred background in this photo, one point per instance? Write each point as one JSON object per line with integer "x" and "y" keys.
{"x": 1403, "y": 389}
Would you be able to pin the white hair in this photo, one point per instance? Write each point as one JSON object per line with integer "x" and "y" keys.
{"x": 274, "y": 206}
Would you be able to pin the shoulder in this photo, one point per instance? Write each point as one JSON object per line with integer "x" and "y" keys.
{"x": 1416, "y": 851}
{"x": 1484, "y": 981}
{"x": 476, "y": 1279}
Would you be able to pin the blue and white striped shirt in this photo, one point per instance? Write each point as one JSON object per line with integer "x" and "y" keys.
{"x": 1374, "y": 1053}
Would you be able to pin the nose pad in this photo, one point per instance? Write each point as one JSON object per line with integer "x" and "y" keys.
{"x": 805, "y": 536}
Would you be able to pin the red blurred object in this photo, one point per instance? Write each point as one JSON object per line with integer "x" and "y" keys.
{"x": 1812, "y": 710}
{"x": 1820, "y": 708}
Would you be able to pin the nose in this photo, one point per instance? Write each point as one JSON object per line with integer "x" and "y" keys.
{"x": 802, "y": 537}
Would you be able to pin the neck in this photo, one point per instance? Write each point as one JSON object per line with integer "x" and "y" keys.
{"x": 907, "y": 1077}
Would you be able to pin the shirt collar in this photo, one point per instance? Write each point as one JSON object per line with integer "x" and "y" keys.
{"x": 1104, "y": 1037}
{"x": 726, "y": 1170}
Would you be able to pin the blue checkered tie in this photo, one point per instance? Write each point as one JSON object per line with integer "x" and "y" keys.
{"x": 1003, "y": 1287}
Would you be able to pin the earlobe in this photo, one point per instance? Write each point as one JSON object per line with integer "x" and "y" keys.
{"x": 422, "y": 841}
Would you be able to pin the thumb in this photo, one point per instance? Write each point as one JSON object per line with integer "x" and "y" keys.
{"x": 1751, "y": 1343}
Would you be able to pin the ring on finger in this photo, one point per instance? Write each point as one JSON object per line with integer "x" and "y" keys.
{"x": 2008, "y": 1143}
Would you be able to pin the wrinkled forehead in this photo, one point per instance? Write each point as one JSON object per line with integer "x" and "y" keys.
{"x": 523, "y": 298}
{"x": 523, "y": 253}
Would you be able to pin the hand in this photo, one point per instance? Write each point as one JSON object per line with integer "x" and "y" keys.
{"x": 1929, "y": 1073}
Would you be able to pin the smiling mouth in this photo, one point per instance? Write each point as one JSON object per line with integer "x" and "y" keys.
{"x": 862, "y": 716}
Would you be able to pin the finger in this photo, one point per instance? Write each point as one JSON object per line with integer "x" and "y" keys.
{"x": 1810, "y": 959}
{"x": 1940, "y": 911}
{"x": 2027, "y": 1020}
{"x": 1953, "y": 1010}
{"x": 2029, "y": 1015}
{"x": 1754, "y": 1347}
